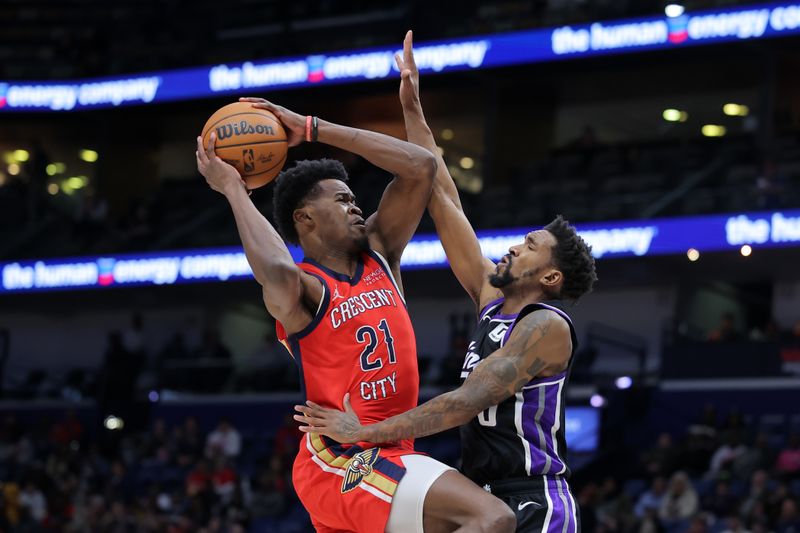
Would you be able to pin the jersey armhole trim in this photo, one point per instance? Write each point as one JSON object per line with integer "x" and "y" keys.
{"x": 491, "y": 306}
{"x": 385, "y": 264}
{"x": 322, "y": 309}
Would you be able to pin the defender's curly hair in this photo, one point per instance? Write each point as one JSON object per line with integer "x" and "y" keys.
{"x": 573, "y": 257}
{"x": 296, "y": 185}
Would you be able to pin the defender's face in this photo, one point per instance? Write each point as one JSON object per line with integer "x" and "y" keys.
{"x": 527, "y": 262}
{"x": 338, "y": 219}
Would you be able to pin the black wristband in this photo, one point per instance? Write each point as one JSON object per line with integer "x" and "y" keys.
{"x": 314, "y": 129}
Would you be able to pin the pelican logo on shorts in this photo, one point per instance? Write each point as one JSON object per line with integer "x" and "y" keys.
{"x": 359, "y": 467}
{"x": 249, "y": 160}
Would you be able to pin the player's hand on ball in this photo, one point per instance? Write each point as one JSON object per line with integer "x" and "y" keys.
{"x": 294, "y": 124}
{"x": 341, "y": 426}
{"x": 409, "y": 75}
{"x": 219, "y": 175}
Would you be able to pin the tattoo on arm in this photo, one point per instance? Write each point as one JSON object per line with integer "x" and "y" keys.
{"x": 498, "y": 377}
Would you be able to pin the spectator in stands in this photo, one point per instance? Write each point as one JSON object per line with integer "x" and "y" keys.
{"x": 649, "y": 522}
{"x": 721, "y": 502}
{"x": 651, "y": 498}
{"x": 120, "y": 485}
{"x": 32, "y": 500}
{"x": 723, "y": 459}
{"x": 224, "y": 480}
{"x": 758, "y": 456}
{"x": 188, "y": 443}
{"x": 726, "y": 331}
{"x": 734, "y": 525}
{"x": 198, "y": 481}
{"x": 661, "y": 460}
{"x": 698, "y": 524}
{"x": 789, "y": 518}
{"x": 757, "y": 495}
{"x": 157, "y": 438}
{"x": 67, "y": 430}
{"x": 681, "y": 502}
{"x": 225, "y": 440}
{"x": 788, "y": 463}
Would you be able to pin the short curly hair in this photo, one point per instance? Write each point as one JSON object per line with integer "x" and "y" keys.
{"x": 296, "y": 185}
{"x": 573, "y": 257}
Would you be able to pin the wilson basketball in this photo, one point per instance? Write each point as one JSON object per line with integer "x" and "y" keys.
{"x": 252, "y": 140}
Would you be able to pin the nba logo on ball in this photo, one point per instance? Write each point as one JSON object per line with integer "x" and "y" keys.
{"x": 249, "y": 160}
{"x": 678, "y": 29}
{"x": 3, "y": 93}
{"x": 316, "y": 68}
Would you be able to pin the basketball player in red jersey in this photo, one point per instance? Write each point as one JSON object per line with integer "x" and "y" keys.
{"x": 342, "y": 316}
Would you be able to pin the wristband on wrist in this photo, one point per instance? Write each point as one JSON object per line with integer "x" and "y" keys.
{"x": 314, "y": 129}
{"x": 308, "y": 128}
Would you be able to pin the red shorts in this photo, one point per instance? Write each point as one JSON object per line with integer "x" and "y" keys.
{"x": 347, "y": 488}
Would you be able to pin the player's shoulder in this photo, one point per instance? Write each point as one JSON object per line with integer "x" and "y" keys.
{"x": 545, "y": 318}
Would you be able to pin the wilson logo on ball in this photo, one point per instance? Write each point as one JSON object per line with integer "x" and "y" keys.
{"x": 242, "y": 128}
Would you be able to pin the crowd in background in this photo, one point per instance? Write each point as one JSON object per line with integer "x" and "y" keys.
{"x": 712, "y": 478}
{"x": 57, "y": 477}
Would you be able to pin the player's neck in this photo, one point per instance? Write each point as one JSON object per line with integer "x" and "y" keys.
{"x": 514, "y": 302}
{"x": 337, "y": 260}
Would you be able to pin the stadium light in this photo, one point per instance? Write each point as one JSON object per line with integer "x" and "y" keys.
{"x": 13, "y": 169}
{"x": 113, "y": 423}
{"x": 624, "y": 382}
{"x": 692, "y": 254}
{"x": 746, "y": 250}
{"x": 675, "y": 115}
{"x": 597, "y": 401}
{"x": 467, "y": 163}
{"x": 52, "y": 189}
{"x": 735, "y": 110}
{"x": 447, "y": 134}
{"x": 90, "y": 156}
{"x": 714, "y": 130}
{"x": 21, "y": 155}
{"x": 674, "y": 10}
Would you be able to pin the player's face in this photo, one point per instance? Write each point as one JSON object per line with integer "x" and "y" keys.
{"x": 338, "y": 218}
{"x": 526, "y": 265}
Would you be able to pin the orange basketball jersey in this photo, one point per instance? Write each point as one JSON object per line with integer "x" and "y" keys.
{"x": 360, "y": 342}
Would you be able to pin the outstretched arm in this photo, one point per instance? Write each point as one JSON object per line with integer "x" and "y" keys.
{"x": 458, "y": 238}
{"x": 539, "y": 345}
{"x": 290, "y": 294}
{"x": 406, "y": 196}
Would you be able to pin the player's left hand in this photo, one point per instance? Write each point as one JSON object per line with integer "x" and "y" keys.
{"x": 409, "y": 74}
{"x": 294, "y": 124}
{"x": 341, "y": 426}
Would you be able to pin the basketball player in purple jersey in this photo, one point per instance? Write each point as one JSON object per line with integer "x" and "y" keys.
{"x": 510, "y": 405}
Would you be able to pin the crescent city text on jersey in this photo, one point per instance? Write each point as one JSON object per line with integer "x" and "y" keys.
{"x": 355, "y": 305}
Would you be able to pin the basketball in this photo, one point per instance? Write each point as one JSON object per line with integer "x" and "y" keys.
{"x": 252, "y": 140}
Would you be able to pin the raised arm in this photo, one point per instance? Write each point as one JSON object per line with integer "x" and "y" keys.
{"x": 458, "y": 238}
{"x": 406, "y": 196}
{"x": 539, "y": 345}
{"x": 290, "y": 294}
